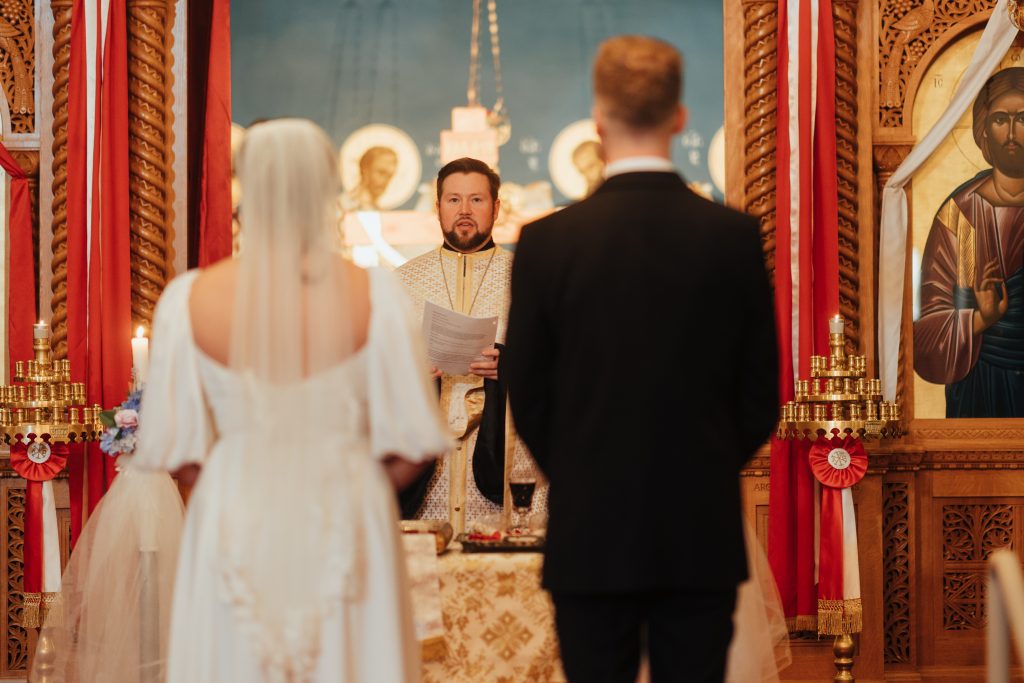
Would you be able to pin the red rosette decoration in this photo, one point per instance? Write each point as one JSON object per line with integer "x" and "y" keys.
{"x": 39, "y": 460}
{"x": 838, "y": 462}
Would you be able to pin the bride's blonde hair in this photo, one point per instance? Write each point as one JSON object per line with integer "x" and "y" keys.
{"x": 288, "y": 173}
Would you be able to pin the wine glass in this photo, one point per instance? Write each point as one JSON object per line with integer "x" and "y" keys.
{"x": 521, "y": 486}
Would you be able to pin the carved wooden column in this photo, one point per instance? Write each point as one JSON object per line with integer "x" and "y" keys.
{"x": 149, "y": 145}
{"x": 59, "y": 186}
{"x": 760, "y": 27}
{"x": 845, "y": 23}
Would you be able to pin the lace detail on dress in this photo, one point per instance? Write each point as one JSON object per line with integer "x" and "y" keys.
{"x": 289, "y": 645}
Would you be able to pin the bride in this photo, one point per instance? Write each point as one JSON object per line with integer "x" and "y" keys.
{"x": 296, "y": 383}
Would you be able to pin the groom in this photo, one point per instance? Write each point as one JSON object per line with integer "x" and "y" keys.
{"x": 641, "y": 365}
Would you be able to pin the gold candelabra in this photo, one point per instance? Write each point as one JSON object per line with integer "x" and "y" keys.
{"x": 43, "y": 401}
{"x": 839, "y": 397}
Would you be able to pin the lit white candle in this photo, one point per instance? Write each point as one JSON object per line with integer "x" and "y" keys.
{"x": 835, "y": 325}
{"x": 140, "y": 356}
{"x": 41, "y": 330}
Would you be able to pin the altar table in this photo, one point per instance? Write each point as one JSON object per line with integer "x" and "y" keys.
{"x": 498, "y": 621}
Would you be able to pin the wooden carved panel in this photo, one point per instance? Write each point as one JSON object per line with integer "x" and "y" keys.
{"x": 17, "y": 637}
{"x": 896, "y": 570}
{"x": 970, "y": 533}
{"x": 59, "y": 186}
{"x": 18, "y": 63}
{"x": 908, "y": 28}
{"x": 760, "y": 29}
{"x": 149, "y": 144}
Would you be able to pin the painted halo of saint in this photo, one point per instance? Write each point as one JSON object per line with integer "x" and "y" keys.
{"x": 380, "y": 168}
{"x": 576, "y": 160}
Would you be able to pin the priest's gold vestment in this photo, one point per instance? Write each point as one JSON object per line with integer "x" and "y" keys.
{"x": 477, "y": 285}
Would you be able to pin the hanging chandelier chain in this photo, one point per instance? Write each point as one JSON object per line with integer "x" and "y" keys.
{"x": 492, "y": 21}
{"x": 473, "y": 87}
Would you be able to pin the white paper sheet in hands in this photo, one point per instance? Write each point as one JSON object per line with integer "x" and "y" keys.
{"x": 455, "y": 340}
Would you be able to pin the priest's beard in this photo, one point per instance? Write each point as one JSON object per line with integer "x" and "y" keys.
{"x": 467, "y": 242}
{"x": 1009, "y": 159}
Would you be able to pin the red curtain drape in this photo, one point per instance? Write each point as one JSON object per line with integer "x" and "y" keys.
{"x": 21, "y": 276}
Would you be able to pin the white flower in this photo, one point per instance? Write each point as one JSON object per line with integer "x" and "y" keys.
{"x": 126, "y": 419}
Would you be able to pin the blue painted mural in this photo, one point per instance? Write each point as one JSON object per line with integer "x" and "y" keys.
{"x": 349, "y": 63}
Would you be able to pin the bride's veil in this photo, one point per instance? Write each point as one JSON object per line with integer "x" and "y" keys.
{"x": 288, "y": 542}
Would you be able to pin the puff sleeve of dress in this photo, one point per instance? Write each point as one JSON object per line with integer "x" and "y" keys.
{"x": 175, "y": 425}
{"x": 405, "y": 418}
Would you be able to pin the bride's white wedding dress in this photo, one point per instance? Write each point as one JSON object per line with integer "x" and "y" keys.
{"x": 375, "y": 403}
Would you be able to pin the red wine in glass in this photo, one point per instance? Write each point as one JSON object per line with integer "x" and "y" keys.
{"x": 522, "y": 493}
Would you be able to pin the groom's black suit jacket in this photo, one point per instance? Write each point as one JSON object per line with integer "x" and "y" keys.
{"x": 642, "y": 372}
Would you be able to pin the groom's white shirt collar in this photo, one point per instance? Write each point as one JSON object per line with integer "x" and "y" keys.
{"x": 638, "y": 164}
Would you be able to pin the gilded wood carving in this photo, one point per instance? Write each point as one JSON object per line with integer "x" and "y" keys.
{"x": 17, "y": 637}
{"x": 149, "y": 146}
{"x": 896, "y": 572}
{"x": 59, "y": 186}
{"x": 970, "y": 533}
{"x": 908, "y": 28}
{"x": 760, "y": 29}
{"x": 845, "y": 22}
{"x": 17, "y": 62}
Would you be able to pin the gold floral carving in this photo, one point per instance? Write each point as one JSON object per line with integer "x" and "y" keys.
{"x": 908, "y": 28}
{"x": 18, "y": 63}
{"x": 760, "y": 24}
{"x": 970, "y": 533}
{"x": 845, "y": 23}
{"x": 896, "y": 572}
{"x": 59, "y": 185}
{"x": 149, "y": 145}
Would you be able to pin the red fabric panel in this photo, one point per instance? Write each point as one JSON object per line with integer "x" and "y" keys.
{"x": 826, "y": 185}
{"x": 21, "y": 276}
{"x": 215, "y": 188}
{"x": 806, "y": 236}
{"x": 77, "y": 279}
{"x": 110, "y": 357}
{"x": 830, "y": 577}
{"x": 33, "y": 547}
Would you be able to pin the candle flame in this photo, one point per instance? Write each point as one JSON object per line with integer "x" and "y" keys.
{"x": 140, "y": 332}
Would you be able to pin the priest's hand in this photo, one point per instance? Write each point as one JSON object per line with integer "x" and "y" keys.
{"x": 488, "y": 369}
{"x": 990, "y": 308}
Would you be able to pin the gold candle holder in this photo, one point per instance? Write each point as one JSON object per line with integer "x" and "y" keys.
{"x": 73, "y": 415}
{"x": 837, "y": 411}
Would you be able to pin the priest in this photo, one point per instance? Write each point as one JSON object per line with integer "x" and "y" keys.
{"x": 468, "y": 274}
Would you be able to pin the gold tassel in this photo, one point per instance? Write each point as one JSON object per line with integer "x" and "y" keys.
{"x": 30, "y": 608}
{"x": 50, "y": 612}
{"x": 803, "y": 622}
{"x": 840, "y": 617}
{"x": 433, "y": 649}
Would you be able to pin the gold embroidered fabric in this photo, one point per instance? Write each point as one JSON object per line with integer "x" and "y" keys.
{"x": 498, "y": 622}
{"x": 476, "y": 284}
